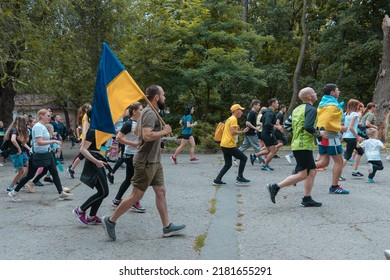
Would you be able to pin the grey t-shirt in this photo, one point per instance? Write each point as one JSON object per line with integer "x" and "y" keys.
{"x": 148, "y": 151}
{"x": 39, "y": 130}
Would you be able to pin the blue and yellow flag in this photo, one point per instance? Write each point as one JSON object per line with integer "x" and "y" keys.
{"x": 115, "y": 90}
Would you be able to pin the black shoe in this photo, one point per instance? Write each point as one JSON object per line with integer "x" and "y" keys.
{"x": 110, "y": 178}
{"x": 273, "y": 191}
{"x": 218, "y": 182}
{"x": 252, "y": 158}
{"x": 309, "y": 202}
{"x": 242, "y": 181}
{"x": 71, "y": 173}
{"x": 48, "y": 179}
{"x": 276, "y": 156}
{"x": 39, "y": 184}
{"x": 270, "y": 168}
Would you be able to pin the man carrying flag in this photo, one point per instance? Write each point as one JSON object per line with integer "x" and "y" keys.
{"x": 148, "y": 170}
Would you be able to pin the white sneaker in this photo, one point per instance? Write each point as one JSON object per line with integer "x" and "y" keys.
{"x": 65, "y": 196}
{"x": 288, "y": 158}
{"x": 30, "y": 186}
{"x": 1, "y": 165}
{"x": 15, "y": 196}
{"x": 387, "y": 254}
{"x": 235, "y": 162}
{"x": 66, "y": 190}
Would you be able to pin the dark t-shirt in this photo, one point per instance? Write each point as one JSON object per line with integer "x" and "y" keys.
{"x": 90, "y": 137}
{"x": 279, "y": 116}
{"x": 12, "y": 149}
{"x": 251, "y": 117}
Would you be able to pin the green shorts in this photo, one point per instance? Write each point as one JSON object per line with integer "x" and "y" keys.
{"x": 147, "y": 174}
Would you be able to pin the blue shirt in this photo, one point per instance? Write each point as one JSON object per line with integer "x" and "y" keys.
{"x": 186, "y": 130}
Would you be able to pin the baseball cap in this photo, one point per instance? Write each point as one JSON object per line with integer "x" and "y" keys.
{"x": 236, "y": 107}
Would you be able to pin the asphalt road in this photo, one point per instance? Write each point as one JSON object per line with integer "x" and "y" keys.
{"x": 244, "y": 226}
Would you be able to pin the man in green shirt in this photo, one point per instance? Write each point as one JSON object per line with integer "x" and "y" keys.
{"x": 302, "y": 144}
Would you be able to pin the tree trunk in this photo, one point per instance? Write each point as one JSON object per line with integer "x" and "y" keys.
{"x": 7, "y": 103}
{"x": 244, "y": 4}
{"x": 382, "y": 83}
{"x": 298, "y": 68}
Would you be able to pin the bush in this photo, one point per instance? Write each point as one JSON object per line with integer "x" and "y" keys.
{"x": 204, "y": 137}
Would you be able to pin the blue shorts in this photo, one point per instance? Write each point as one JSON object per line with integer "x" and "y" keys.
{"x": 330, "y": 150}
{"x": 19, "y": 160}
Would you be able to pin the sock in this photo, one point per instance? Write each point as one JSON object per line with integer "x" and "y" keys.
{"x": 334, "y": 186}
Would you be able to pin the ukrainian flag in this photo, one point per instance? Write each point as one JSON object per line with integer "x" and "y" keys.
{"x": 115, "y": 90}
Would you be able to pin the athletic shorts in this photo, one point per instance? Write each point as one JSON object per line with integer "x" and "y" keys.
{"x": 305, "y": 160}
{"x": 269, "y": 139}
{"x": 186, "y": 136}
{"x": 331, "y": 146}
{"x": 147, "y": 174}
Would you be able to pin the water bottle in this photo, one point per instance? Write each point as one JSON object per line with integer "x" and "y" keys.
{"x": 114, "y": 150}
{"x": 59, "y": 165}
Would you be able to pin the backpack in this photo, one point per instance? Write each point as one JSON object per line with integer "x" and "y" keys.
{"x": 219, "y": 131}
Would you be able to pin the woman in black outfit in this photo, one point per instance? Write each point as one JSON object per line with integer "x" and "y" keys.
{"x": 94, "y": 176}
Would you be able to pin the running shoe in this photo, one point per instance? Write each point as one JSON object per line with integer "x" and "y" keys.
{"x": 309, "y": 202}
{"x": 65, "y": 196}
{"x": 241, "y": 181}
{"x": 337, "y": 190}
{"x": 116, "y": 202}
{"x": 370, "y": 180}
{"x": 174, "y": 160}
{"x": 138, "y": 208}
{"x": 194, "y": 159}
{"x": 265, "y": 168}
{"x": 48, "y": 179}
{"x": 109, "y": 228}
{"x": 30, "y": 187}
{"x": 252, "y": 158}
{"x": 173, "y": 229}
{"x": 273, "y": 190}
{"x": 288, "y": 158}
{"x": 15, "y": 196}
{"x": 342, "y": 179}
{"x": 357, "y": 174}
{"x": 80, "y": 216}
{"x": 71, "y": 172}
{"x": 218, "y": 182}
{"x": 110, "y": 178}
{"x": 95, "y": 220}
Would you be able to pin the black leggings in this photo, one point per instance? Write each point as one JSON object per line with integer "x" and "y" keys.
{"x": 52, "y": 168}
{"x": 128, "y": 159}
{"x": 376, "y": 165}
{"x": 228, "y": 153}
{"x": 351, "y": 145}
{"x": 96, "y": 200}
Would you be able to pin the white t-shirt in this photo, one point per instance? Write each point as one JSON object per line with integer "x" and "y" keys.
{"x": 39, "y": 130}
{"x": 372, "y": 148}
{"x": 347, "y": 121}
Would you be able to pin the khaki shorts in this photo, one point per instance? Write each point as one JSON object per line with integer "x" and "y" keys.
{"x": 147, "y": 174}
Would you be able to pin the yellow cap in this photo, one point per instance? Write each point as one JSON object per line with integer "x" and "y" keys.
{"x": 236, "y": 107}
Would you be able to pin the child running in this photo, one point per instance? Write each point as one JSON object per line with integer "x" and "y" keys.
{"x": 372, "y": 147}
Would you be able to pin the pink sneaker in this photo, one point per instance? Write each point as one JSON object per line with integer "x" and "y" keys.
{"x": 174, "y": 160}
{"x": 95, "y": 220}
{"x": 80, "y": 215}
{"x": 194, "y": 159}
